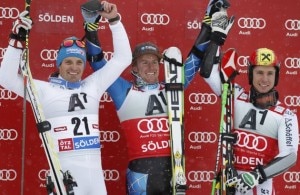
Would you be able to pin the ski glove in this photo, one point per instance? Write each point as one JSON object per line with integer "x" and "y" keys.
{"x": 20, "y": 28}
{"x": 213, "y": 7}
{"x": 91, "y": 20}
{"x": 245, "y": 182}
{"x": 220, "y": 26}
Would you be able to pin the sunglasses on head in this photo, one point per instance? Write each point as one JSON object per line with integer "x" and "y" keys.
{"x": 71, "y": 42}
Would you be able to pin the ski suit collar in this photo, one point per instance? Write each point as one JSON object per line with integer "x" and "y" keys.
{"x": 66, "y": 84}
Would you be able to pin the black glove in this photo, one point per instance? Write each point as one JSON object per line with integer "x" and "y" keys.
{"x": 220, "y": 26}
{"x": 245, "y": 182}
{"x": 20, "y": 28}
{"x": 90, "y": 13}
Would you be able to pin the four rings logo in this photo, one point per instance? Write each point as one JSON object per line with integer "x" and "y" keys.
{"x": 292, "y": 24}
{"x": 255, "y": 23}
{"x": 202, "y": 137}
{"x": 292, "y": 100}
{"x": 111, "y": 175}
{"x": 43, "y": 173}
{"x": 243, "y": 61}
{"x": 9, "y": 12}
{"x": 108, "y": 55}
{"x": 201, "y": 176}
{"x": 292, "y": 62}
{"x": 48, "y": 54}
{"x": 8, "y": 134}
{"x": 203, "y": 98}
{"x": 153, "y": 125}
{"x": 109, "y": 136}
{"x": 291, "y": 177}
{"x": 7, "y": 95}
{"x": 157, "y": 19}
{"x": 105, "y": 98}
{"x": 251, "y": 141}
{"x": 8, "y": 175}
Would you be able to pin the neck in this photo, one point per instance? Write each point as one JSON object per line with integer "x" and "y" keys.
{"x": 66, "y": 84}
{"x": 147, "y": 87}
{"x": 263, "y": 100}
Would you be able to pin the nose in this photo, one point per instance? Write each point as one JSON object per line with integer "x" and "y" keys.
{"x": 151, "y": 65}
{"x": 265, "y": 77}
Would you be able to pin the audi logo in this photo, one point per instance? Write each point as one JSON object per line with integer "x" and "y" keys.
{"x": 243, "y": 61}
{"x": 292, "y": 62}
{"x": 109, "y": 136}
{"x": 255, "y": 23}
{"x": 48, "y": 54}
{"x": 251, "y": 141}
{"x": 202, "y": 137}
{"x": 153, "y": 125}
{"x": 8, "y": 175}
{"x": 291, "y": 177}
{"x": 201, "y": 176}
{"x": 108, "y": 55}
{"x": 292, "y": 100}
{"x": 203, "y": 98}
{"x": 111, "y": 175}
{"x": 2, "y": 52}
{"x": 292, "y": 24}
{"x": 9, "y": 12}
{"x": 157, "y": 19}
{"x": 43, "y": 173}
{"x": 105, "y": 98}
{"x": 7, "y": 95}
{"x": 8, "y": 134}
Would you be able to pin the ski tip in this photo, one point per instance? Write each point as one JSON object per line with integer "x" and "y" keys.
{"x": 173, "y": 53}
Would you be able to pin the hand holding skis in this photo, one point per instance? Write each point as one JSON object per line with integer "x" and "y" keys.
{"x": 244, "y": 182}
{"x": 20, "y": 28}
{"x": 220, "y": 26}
{"x": 213, "y": 7}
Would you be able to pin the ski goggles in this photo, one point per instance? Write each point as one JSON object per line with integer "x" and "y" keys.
{"x": 71, "y": 42}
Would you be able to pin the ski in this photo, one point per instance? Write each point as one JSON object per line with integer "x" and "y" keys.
{"x": 61, "y": 182}
{"x": 225, "y": 170}
{"x": 174, "y": 86}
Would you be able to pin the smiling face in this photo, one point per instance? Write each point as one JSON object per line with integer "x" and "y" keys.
{"x": 147, "y": 67}
{"x": 71, "y": 69}
{"x": 263, "y": 78}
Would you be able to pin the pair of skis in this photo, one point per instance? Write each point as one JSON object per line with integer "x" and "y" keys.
{"x": 174, "y": 86}
{"x": 61, "y": 182}
{"x": 225, "y": 170}
{"x": 174, "y": 78}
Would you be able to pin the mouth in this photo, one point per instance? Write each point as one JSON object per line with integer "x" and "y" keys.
{"x": 151, "y": 73}
{"x": 73, "y": 73}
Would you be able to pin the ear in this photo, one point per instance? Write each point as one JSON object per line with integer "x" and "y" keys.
{"x": 134, "y": 68}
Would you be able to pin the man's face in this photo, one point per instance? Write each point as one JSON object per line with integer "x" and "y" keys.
{"x": 147, "y": 67}
{"x": 264, "y": 78}
{"x": 71, "y": 69}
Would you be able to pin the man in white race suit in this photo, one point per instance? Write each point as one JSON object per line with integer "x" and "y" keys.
{"x": 71, "y": 104}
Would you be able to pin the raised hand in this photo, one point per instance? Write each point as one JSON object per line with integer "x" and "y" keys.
{"x": 20, "y": 28}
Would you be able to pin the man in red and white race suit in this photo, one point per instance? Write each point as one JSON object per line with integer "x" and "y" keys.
{"x": 267, "y": 131}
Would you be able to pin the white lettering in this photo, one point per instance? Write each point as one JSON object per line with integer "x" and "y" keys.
{"x": 249, "y": 160}
{"x": 245, "y": 33}
{"x": 55, "y": 18}
{"x": 292, "y": 34}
